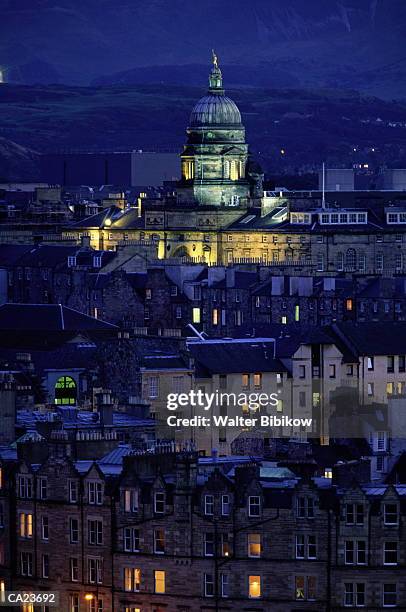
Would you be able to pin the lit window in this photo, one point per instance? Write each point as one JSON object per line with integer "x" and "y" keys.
{"x": 254, "y": 544}
{"x": 132, "y": 579}
{"x": 25, "y": 525}
{"x": 234, "y": 170}
{"x": 196, "y": 315}
{"x": 254, "y": 586}
{"x": 65, "y": 391}
{"x": 257, "y": 381}
{"x": 215, "y": 316}
{"x": 159, "y": 577}
{"x": 297, "y": 312}
{"x": 245, "y": 381}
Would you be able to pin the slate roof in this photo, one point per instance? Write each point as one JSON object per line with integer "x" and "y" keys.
{"x": 229, "y": 357}
{"x": 167, "y": 362}
{"x": 115, "y": 218}
{"x": 388, "y": 338}
{"x": 79, "y": 419}
{"x": 48, "y": 317}
{"x": 242, "y": 280}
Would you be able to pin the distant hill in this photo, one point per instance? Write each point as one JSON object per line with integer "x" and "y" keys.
{"x": 314, "y": 43}
{"x": 17, "y": 162}
{"x": 287, "y": 129}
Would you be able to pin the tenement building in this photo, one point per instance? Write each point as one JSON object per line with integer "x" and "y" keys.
{"x": 171, "y": 532}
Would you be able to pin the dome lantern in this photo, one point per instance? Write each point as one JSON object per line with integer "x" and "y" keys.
{"x": 215, "y": 77}
{"x": 215, "y": 108}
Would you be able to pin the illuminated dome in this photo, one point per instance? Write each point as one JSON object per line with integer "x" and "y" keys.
{"x": 215, "y": 108}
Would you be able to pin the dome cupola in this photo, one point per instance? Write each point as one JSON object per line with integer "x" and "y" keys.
{"x": 215, "y": 108}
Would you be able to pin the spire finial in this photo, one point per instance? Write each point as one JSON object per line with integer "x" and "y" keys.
{"x": 215, "y": 59}
{"x": 215, "y": 79}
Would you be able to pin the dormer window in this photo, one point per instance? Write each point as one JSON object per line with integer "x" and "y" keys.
{"x": 305, "y": 507}
{"x": 131, "y": 500}
{"x": 159, "y": 503}
{"x": 254, "y": 505}
{"x": 25, "y": 487}
{"x": 390, "y": 514}
{"x": 95, "y": 493}
{"x": 209, "y": 505}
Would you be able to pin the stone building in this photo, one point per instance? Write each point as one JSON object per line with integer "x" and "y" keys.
{"x": 166, "y": 531}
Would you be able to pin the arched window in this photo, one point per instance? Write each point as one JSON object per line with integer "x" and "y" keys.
{"x": 351, "y": 259}
{"x": 65, "y": 391}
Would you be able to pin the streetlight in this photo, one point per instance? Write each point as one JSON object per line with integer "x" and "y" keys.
{"x": 89, "y": 596}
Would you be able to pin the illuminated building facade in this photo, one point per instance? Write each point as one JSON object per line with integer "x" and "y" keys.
{"x": 215, "y": 158}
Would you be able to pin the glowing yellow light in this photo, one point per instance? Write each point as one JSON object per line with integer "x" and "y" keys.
{"x": 254, "y": 586}
{"x": 89, "y": 596}
{"x": 282, "y": 151}
{"x": 107, "y": 222}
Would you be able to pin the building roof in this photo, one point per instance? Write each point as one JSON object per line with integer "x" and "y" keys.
{"x": 48, "y": 317}
{"x": 384, "y": 338}
{"x": 232, "y": 357}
